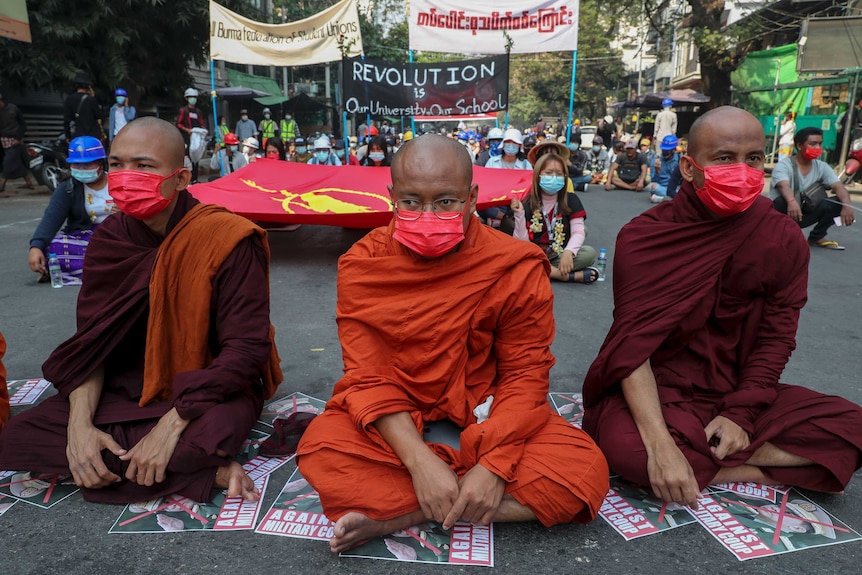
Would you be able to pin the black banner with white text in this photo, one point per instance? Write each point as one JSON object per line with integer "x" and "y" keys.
{"x": 383, "y": 88}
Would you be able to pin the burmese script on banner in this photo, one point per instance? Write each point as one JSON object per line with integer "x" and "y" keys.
{"x": 477, "y": 27}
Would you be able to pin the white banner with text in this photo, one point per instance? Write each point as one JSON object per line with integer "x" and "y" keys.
{"x": 317, "y": 39}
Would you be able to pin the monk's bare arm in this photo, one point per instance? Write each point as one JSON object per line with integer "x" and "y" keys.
{"x": 435, "y": 483}
{"x": 84, "y": 442}
{"x": 669, "y": 472}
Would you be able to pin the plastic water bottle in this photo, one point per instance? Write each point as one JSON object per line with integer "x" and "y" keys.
{"x": 54, "y": 270}
{"x": 602, "y": 263}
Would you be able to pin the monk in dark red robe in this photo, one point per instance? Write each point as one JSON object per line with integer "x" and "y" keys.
{"x": 707, "y": 292}
{"x": 459, "y": 320}
{"x": 173, "y": 356}
{"x": 4, "y": 391}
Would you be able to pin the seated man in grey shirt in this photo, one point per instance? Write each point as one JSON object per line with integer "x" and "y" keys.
{"x": 798, "y": 173}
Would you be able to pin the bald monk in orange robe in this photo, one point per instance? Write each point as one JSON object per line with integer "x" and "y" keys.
{"x": 437, "y": 316}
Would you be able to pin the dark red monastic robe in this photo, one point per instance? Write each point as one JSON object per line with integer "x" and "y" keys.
{"x": 714, "y": 304}
{"x": 435, "y": 338}
{"x": 4, "y": 391}
{"x": 223, "y": 400}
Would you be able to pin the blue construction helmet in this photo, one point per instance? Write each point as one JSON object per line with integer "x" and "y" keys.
{"x": 120, "y": 92}
{"x": 666, "y": 103}
{"x": 669, "y": 143}
{"x": 85, "y": 149}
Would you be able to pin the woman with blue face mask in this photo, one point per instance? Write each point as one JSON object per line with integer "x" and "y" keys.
{"x": 78, "y": 205}
{"x": 378, "y": 153}
{"x": 513, "y": 155}
{"x": 553, "y": 219}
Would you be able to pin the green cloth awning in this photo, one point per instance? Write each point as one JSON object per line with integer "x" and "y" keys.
{"x": 261, "y": 83}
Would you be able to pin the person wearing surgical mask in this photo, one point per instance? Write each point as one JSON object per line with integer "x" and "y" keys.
{"x": 78, "y": 206}
{"x": 301, "y": 153}
{"x": 323, "y": 155}
{"x": 512, "y": 156}
{"x": 347, "y": 157}
{"x": 227, "y": 157}
{"x": 599, "y": 161}
{"x": 122, "y": 112}
{"x": 378, "y": 154}
{"x": 553, "y": 219}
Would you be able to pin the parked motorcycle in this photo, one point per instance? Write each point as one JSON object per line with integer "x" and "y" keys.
{"x": 853, "y": 165}
{"x": 48, "y": 161}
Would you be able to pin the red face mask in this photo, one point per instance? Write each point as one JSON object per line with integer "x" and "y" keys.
{"x": 139, "y": 194}
{"x": 729, "y": 189}
{"x": 429, "y": 236}
{"x": 812, "y": 153}
{"x": 272, "y": 155}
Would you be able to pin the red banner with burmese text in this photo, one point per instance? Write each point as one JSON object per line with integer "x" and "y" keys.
{"x": 345, "y": 196}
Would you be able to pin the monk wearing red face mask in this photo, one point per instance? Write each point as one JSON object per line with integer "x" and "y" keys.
{"x": 685, "y": 391}
{"x": 442, "y": 318}
{"x": 173, "y": 355}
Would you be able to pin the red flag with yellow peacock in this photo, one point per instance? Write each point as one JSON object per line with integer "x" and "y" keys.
{"x": 345, "y": 196}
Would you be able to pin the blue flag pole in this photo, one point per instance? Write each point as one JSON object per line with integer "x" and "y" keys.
{"x": 412, "y": 118}
{"x": 572, "y": 96}
{"x": 215, "y": 114}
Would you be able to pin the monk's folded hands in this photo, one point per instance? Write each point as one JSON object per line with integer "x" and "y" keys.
{"x": 149, "y": 459}
{"x": 479, "y": 496}
{"x": 725, "y": 437}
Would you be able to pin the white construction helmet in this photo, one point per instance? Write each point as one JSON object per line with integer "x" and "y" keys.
{"x": 495, "y": 134}
{"x": 322, "y": 143}
{"x": 513, "y": 135}
{"x": 191, "y": 92}
{"x": 251, "y": 142}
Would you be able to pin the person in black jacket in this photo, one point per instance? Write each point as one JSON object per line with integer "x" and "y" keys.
{"x": 81, "y": 202}
{"x": 12, "y": 130}
{"x": 82, "y": 115}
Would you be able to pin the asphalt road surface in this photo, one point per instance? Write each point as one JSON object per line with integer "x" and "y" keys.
{"x": 73, "y": 536}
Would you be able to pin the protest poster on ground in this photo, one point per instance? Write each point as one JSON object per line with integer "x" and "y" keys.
{"x": 379, "y": 87}
{"x": 751, "y": 527}
{"x": 297, "y": 513}
{"x": 223, "y": 513}
{"x": 295, "y": 402}
{"x": 26, "y": 391}
{"x": 478, "y": 27}
{"x": 251, "y": 446}
{"x": 464, "y": 544}
{"x": 322, "y": 37}
{"x": 169, "y": 514}
{"x": 6, "y": 503}
{"x": 635, "y": 512}
{"x": 42, "y": 490}
{"x": 569, "y": 405}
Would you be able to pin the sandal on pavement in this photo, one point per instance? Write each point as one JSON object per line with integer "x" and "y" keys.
{"x": 590, "y": 275}
{"x": 827, "y": 244}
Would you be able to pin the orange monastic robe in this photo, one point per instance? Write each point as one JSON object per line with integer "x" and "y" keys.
{"x": 436, "y": 338}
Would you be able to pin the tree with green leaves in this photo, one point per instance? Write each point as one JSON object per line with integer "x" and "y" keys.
{"x": 143, "y": 45}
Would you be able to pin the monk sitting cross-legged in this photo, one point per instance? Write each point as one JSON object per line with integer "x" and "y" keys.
{"x": 173, "y": 356}
{"x": 438, "y": 318}
{"x": 685, "y": 391}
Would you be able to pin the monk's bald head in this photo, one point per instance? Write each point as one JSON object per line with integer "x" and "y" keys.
{"x": 716, "y": 125}
{"x": 151, "y": 132}
{"x": 432, "y": 153}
